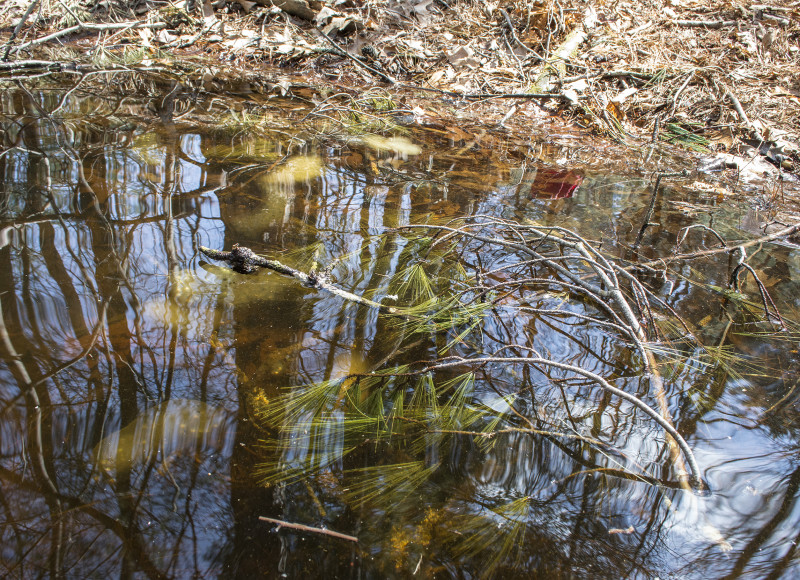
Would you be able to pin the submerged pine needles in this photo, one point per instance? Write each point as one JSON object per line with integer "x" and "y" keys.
{"x": 493, "y": 347}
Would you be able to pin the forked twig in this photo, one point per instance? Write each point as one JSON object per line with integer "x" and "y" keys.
{"x": 651, "y": 207}
{"x": 766, "y": 299}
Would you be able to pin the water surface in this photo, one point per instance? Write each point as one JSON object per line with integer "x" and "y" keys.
{"x": 134, "y": 372}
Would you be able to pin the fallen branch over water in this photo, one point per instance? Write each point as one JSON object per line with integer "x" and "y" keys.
{"x": 694, "y": 470}
{"x": 604, "y": 290}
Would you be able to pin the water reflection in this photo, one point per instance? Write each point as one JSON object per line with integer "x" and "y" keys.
{"x": 134, "y": 373}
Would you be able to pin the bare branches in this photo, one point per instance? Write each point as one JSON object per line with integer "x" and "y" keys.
{"x": 737, "y": 106}
{"x": 778, "y": 235}
{"x": 577, "y": 267}
{"x": 341, "y": 51}
{"x": 18, "y": 27}
{"x": 770, "y": 310}
{"x": 486, "y": 324}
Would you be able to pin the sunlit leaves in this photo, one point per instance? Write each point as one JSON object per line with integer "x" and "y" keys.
{"x": 296, "y": 170}
{"x": 401, "y": 145}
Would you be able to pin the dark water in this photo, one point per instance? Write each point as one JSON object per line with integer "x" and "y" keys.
{"x": 135, "y": 374}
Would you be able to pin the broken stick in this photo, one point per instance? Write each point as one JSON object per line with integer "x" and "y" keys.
{"x": 304, "y": 528}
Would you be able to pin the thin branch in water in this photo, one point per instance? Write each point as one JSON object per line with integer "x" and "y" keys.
{"x": 246, "y": 261}
{"x": 780, "y": 234}
{"x": 694, "y": 477}
{"x": 685, "y": 231}
{"x": 766, "y": 299}
{"x": 653, "y": 197}
{"x": 304, "y": 528}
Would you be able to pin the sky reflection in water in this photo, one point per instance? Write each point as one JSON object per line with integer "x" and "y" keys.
{"x": 132, "y": 371}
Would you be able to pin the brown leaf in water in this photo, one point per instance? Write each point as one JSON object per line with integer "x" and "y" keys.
{"x": 628, "y": 530}
{"x": 354, "y": 160}
{"x": 721, "y": 140}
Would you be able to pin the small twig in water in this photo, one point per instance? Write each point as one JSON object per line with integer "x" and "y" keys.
{"x": 786, "y": 232}
{"x": 766, "y": 299}
{"x": 685, "y": 231}
{"x": 304, "y": 528}
{"x": 652, "y": 206}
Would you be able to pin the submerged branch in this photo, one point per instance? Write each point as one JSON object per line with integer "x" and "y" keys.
{"x": 651, "y": 207}
{"x": 780, "y": 234}
{"x": 512, "y": 261}
{"x": 695, "y": 480}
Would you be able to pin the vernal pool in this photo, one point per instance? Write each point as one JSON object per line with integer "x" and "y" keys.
{"x": 154, "y": 403}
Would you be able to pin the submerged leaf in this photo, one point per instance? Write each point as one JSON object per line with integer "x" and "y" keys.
{"x": 297, "y": 170}
{"x": 401, "y": 145}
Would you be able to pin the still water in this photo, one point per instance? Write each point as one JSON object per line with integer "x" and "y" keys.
{"x": 138, "y": 379}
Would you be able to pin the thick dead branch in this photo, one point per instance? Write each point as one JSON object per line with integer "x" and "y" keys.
{"x": 28, "y": 65}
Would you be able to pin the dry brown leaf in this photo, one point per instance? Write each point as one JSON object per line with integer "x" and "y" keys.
{"x": 463, "y": 56}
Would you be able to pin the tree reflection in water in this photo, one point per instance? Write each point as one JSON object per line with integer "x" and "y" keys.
{"x": 143, "y": 390}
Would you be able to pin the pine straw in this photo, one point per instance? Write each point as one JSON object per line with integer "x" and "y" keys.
{"x": 682, "y": 73}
